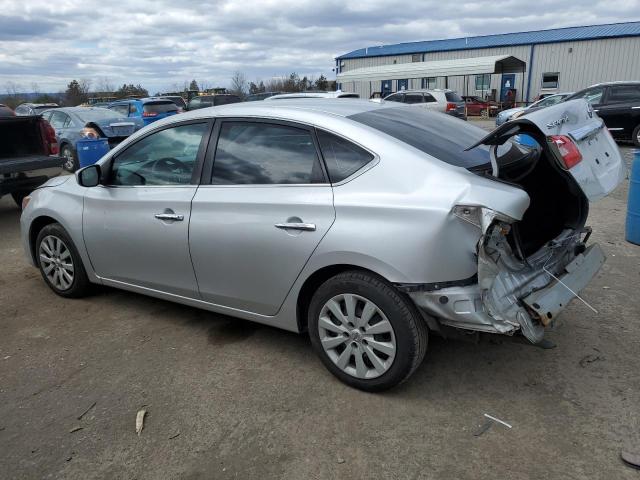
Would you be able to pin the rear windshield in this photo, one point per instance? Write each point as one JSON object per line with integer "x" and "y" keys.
{"x": 441, "y": 136}
{"x": 178, "y": 101}
{"x": 159, "y": 107}
{"x": 452, "y": 97}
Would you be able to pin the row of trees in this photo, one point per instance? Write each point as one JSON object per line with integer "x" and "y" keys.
{"x": 79, "y": 91}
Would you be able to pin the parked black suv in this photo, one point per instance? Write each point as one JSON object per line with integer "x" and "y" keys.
{"x": 618, "y": 104}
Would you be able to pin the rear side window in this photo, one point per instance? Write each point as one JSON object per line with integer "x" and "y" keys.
{"x": 394, "y": 98}
{"x": 159, "y": 107}
{"x": 452, "y": 97}
{"x": 429, "y": 98}
{"x": 256, "y": 153}
{"x": 342, "y": 157}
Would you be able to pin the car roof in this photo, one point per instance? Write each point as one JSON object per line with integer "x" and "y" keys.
{"x": 617, "y": 82}
{"x": 336, "y": 94}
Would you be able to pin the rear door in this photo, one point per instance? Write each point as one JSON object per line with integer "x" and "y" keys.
{"x": 267, "y": 205}
{"x": 579, "y": 140}
{"x": 621, "y": 109}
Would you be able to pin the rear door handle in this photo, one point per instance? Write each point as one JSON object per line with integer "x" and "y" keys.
{"x": 306, "y": 227}
{"x": 169, "y": 216}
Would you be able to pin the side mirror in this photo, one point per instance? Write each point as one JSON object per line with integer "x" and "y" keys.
{"x": 89, "y": 176}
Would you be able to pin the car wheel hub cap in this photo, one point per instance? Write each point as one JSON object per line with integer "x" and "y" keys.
{"x": 56, "y": 262}
{"x": 357, "y": 336}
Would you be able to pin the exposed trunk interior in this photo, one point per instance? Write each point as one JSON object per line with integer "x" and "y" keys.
{"x": 557, "y": 202}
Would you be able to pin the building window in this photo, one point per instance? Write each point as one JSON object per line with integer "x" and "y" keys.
{"x": 403, "y": 84}
{"x": 483, "y": 82}
{"x": 416, "y": 57}
{"x": 429, "y": 83}
{"x": 550, "y": 80}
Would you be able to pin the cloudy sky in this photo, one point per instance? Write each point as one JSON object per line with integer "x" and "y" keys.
{"x": 161, "y": 44}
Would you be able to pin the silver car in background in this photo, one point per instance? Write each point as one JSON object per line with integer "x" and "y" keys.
{"x": 366, "y": 225}
{"x": 512, "y": 113}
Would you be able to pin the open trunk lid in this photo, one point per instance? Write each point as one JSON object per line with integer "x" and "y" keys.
{"x": 579, "y": 141}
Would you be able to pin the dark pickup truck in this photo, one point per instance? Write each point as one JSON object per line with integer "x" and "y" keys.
{"x": 29, "y": 155}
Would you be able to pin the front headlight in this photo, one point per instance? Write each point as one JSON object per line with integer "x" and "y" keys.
{"x": 25, "y": 201}
{"x": 516, "y": 115}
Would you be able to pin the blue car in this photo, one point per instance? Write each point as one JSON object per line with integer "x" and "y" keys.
{"x": 148, "y": 109}
{"x": 79, "y": 123}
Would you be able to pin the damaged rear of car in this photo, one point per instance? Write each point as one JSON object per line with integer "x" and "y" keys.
{"x": 530, "y": 267}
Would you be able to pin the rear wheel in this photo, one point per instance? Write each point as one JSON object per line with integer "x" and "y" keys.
{"x": 59, "y": 262}
{"x": 71, "y": 159}
{"x": 365, "y": 332}
{"x": 635, "y": 136}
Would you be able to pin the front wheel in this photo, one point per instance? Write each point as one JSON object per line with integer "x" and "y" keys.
{"x": 365, "y": 332}
{"x": 60, "y": 263}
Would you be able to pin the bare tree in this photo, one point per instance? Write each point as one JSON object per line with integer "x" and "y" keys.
{"x": 239, "y": 84}
{"x": 104, "y": 85}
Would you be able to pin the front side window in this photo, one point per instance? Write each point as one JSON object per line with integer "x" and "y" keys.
{"x": 483, "y": 82}
{"x": 342, "y": 157}
{"x": 256, "y": 153}
{"x": 550, "y": 80}
{"x": 396, "y": 97}
{"x": 167, "y": 157}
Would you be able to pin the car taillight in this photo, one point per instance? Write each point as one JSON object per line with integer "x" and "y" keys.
{"x": 49, "y": 138}
{"x": 567, "y": 150}
{"x": 451, "y": 106}
{"x": 149, "y": 114}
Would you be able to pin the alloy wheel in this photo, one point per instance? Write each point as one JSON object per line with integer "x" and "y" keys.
{"x": 357, "y": 336}
{"x": 56, "y": 262}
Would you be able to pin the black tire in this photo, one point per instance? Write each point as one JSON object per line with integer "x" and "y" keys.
{"x": 80, "y": 285}
{"x": 409, "y": 328}
{"x": 635, "y": 136}
{"x": 18, "y": 197}
{"x": 72, "y": 164}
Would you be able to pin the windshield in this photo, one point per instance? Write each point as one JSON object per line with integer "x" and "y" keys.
{"x": 547, "y": 102}
{"x": 94, "y": 114}
{"x": 441, "y": 136}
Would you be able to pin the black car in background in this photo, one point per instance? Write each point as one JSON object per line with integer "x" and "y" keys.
{"x": 618, "y": 104}
{"x": 204, "y": 101}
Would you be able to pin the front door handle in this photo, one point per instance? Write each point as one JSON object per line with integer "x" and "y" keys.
{"x": 169, "y": 216}
{"x": 306, "y": 227}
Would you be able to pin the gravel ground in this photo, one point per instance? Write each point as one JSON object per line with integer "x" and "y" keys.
{"x": 232, "y": 399}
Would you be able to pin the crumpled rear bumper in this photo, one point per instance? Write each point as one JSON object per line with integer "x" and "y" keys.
{"x": 549, "y": 301}
{"x": 524, "y": 301}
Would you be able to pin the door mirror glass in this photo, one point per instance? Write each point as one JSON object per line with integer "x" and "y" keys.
{"x": 89, "y": 176}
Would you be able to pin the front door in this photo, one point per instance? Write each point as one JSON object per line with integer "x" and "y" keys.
{"x": 136, "y": 225}
{"x": 508, "y": 83}
{"x": 266, "y": 209}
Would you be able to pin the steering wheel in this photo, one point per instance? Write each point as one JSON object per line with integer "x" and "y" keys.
{"x": 168, "y": 167}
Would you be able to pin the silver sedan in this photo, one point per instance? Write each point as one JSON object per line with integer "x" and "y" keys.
{"x": 367, "y": 225}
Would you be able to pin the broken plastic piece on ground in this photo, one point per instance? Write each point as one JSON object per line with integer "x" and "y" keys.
{"x": 140, "y": 420}
{"x": 86, "y": 411}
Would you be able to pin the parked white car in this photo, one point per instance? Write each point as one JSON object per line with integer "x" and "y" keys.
{"x": 338, "y": 94}
{"x": 442, "y": 100}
